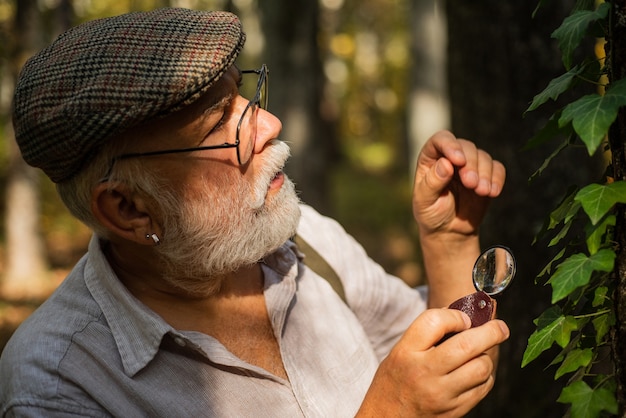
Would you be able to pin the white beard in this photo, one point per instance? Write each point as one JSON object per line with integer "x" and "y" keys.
{"x": 234, "y": 226}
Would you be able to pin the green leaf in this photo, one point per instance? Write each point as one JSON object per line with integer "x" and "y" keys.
{"x": 552, "y": 326}
{"x": 587, "y": 402}
{"x": 595, "y": 233}
{"x": 574, "y": 360}
{"x": 576, "y": 272}
{"x": 563, "y": 213}
{"x": 599, "y": 296}
{"x": 549, "y": 132}
{"x": 560, "y": 235}
{"x": 547, "y": 161}
{"x": 602, "y": 325}
{"x": 573, "y": 29}
{"x": 548, "y": 268}
{"x": 555, "y": 88}
{"x": 566, "y": 210}
{"x": 592, "y": 115}
{"x": 598, "y": 199}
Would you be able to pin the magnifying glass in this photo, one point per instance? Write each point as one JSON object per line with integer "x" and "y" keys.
{"x": 494, "y": 270}
{"x": 492, "y": 274}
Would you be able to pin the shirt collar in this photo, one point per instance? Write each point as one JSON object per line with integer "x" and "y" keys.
{"x": 138, "y": 331}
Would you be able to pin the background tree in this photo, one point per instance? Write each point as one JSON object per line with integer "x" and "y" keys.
{"x": 26, "y": 264}
{"x": 291, "y": 32}
{"x": 499, "y": 57}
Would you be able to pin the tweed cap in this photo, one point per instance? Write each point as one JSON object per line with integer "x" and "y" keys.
{"x": 105, "y": 76}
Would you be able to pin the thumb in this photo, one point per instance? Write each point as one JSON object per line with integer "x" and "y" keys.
{"x": 428, "y": 189}
{"x": 433, "y": 325}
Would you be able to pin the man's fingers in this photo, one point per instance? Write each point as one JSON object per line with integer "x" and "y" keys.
{"x": 472, "y": 343}
{"x": 481, "y": 172}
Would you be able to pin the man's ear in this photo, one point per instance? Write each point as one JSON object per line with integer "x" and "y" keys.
{"x": 123, "y": 213}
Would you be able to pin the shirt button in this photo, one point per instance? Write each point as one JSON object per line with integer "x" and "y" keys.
{"x": 180, "y": 341}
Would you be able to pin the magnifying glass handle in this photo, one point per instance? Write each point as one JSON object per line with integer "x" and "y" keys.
{"x": 479, "y": 306}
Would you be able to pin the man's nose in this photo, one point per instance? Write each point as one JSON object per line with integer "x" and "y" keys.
{"x": 268, "y": 128}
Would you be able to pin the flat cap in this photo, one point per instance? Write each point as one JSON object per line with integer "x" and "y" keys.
{"x": 107, "y": 75}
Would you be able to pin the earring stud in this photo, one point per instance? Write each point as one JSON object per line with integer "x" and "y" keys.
{"x": 154, "y": 237}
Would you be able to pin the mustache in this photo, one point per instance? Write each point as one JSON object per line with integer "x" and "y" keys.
{"x": 275, "y": 157}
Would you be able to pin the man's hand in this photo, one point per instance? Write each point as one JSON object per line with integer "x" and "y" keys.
{"x": 422, "y": 379}
{"x": 454, "y": 182}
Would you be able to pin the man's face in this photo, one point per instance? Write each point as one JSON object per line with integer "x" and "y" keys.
{"x": 216, "y": 215}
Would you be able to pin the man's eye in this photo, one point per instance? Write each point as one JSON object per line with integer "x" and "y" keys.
{"x": 218, "y": 127}
{"x": 220, "y": 124}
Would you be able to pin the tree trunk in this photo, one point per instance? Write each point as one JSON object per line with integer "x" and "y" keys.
{"x": 617, "y": 137}
{"x": 26, "y": 266}
{"x": 290, "y": 28}
{"x": 429, "y": 110}
{"x": 499, "y": 58}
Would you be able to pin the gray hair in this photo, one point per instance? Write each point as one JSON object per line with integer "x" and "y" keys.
{"x": 76, "y": 192}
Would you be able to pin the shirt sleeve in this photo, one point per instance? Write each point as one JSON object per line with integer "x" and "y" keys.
{"x": 384, "y": 304}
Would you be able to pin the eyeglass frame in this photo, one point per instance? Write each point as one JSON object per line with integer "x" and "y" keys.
{"x": 262, "y": 84}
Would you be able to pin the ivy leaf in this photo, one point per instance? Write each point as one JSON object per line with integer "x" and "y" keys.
{"x": 574, "y": 360}
{"x": 598, "y": 199}
{"x": 599, "y": 296}
{"x": 572, "y": 30}
{"x": 552, "y": 326}
{"x": 602, "y": 325}
{"x": 587, "y": 402}
{"x": 549, "y": 132}
{"x": 562, "y": 234}
{"x": 548, "y": 268}
{"x": 547, "y": 161}
{"x": 595, "y": 233}
{"x": 593, "y": 114}
{"x": 576, "y": 272}
{"x": 566, "y": 210}
{"x": 555, "y": 87}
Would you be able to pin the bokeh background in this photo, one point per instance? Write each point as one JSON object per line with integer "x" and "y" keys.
{"x": 359, "y": 86}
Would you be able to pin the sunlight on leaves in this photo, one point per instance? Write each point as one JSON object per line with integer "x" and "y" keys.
{"x": 598, "y": 199}
{"x": 587, "y": 402}
{"x": 592, "y": 115}
{"x": 576, "y": 271}
{"x": 595, "y": 233}
{"x": 552, "y": 326}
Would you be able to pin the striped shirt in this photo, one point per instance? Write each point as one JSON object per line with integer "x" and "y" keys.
{"x": 94, "y": 350}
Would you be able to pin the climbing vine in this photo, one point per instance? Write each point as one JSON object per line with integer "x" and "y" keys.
{"x": 583, "y": 275}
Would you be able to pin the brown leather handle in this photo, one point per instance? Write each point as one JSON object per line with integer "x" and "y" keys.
{"x": 479, "y": 306}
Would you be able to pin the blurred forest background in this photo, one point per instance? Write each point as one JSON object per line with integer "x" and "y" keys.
{"x": 359, "y": 86}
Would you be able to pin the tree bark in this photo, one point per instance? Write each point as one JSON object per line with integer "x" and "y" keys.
{"x": 616, "y": 52}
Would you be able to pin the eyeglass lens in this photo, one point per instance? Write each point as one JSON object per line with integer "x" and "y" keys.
{"x": 246, "y": 133}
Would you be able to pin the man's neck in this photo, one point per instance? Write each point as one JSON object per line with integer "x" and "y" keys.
{"x": 235, "y": 315}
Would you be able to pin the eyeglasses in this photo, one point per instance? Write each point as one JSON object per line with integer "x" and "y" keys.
{"x": 246, "y": 127}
